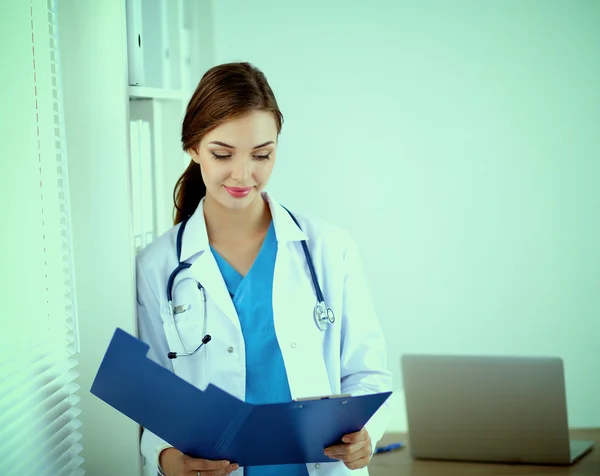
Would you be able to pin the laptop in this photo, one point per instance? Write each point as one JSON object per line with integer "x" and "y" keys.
{"x": 488, "y": 409}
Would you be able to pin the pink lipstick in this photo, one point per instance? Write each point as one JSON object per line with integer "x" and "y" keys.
{"x": 237, "y": 192}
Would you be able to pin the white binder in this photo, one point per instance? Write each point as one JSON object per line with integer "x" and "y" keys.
{"x": 135, "y": 43}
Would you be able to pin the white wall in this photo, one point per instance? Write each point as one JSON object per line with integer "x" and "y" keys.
{"x": 459, "y": 142}
{"x": 92, "y": 36}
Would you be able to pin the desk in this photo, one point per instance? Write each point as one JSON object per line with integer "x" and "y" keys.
{"x": 399, "y": 463}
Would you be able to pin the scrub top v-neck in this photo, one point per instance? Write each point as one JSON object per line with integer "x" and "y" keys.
{"x": 266, "y": 378}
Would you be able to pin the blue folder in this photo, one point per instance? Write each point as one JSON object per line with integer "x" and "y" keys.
{"x": 215, "y": 425}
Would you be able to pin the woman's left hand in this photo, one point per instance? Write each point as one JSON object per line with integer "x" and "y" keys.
{"x": 355, "y": 452}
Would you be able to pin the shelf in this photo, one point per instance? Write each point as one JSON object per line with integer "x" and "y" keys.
{"x": 138, "y": 92}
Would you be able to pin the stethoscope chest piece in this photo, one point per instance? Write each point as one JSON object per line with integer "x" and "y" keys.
{"x": 323, "y": 315}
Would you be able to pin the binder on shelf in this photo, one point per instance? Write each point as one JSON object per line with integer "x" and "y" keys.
{"x": 186, "y": 60}
{"x": 147, "y": 184}
{"x": 152, "y": 25}
{"x": 166, "y": 54}
{"x": 142, "y": 183}
{"x": 135, "y": 43}
{"x": 215, "y": 425}
{"x": 136, "y": 186}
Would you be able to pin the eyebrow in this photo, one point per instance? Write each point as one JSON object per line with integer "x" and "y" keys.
{"x": 260, "y": 146}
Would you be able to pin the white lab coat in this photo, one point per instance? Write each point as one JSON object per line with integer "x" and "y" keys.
{"x": 349, "y": 357}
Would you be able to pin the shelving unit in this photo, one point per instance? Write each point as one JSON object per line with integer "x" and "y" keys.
{"x": 160, "y": 41}
{"x": 99, "y": 105}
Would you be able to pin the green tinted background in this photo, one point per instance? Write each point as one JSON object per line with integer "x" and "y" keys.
{"x": 459, "y": 142}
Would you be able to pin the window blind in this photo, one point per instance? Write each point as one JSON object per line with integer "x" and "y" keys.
{"x": 38, "y": 352}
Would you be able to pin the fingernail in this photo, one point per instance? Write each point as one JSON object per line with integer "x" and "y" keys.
{"x": 225, "y": 463}
{"x": 345, "y": 439}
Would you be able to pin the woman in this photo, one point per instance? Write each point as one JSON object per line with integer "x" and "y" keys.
{"x": 247, "y": 271}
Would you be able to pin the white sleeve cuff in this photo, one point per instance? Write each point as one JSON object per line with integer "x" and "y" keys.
{"x": 151, "y": 447}
{"x": 379, "y": 422}
{"x": 159, "y": 450}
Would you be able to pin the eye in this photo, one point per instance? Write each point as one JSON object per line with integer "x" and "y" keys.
{"x": 263, "y": 157}
{"x": 221, "y": 156}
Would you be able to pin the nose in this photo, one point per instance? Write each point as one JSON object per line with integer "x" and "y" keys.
{"x": 242, "y": 170}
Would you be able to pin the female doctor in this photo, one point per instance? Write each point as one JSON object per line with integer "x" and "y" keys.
{"x": 243, "y": 278}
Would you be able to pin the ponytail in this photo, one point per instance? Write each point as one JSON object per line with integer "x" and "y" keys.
{"x": 188, "y": 192}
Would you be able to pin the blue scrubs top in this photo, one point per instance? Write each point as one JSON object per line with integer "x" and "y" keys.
{"x": 266, "y": 378}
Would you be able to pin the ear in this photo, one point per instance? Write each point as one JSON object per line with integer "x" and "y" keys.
{"x": 193, "y": 152}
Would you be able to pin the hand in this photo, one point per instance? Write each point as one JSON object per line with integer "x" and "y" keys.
{"x": 175, "y": 463}
{"x": 355, "y": 452}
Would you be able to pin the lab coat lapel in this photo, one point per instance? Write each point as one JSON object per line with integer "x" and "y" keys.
{"x": 205, "y": 268}
{"x": 288, "y": 264}
{"x": 294, "y": 298}
{"x": 285, "y": 227}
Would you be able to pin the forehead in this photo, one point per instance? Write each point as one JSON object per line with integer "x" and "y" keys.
{"x": 254, "y": 128}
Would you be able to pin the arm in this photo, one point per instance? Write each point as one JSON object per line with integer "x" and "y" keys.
{"x": 150, "y": 330}
{"x": 154, "y": 449}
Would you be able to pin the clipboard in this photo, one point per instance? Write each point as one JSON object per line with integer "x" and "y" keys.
{"x": 214, "y": 425}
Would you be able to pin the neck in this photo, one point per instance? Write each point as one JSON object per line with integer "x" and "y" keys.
{"x": 224, "y": 223}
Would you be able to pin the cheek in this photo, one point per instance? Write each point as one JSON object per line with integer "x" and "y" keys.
{"x": 264, "y": 172}
{"x": 213, "y": 172}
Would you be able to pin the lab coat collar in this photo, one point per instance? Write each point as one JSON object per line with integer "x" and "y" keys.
{"x": 285, "y": 227}
{"x": 195, "y": 236}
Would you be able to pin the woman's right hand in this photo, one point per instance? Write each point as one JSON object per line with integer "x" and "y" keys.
{"x": 175, "y": 463}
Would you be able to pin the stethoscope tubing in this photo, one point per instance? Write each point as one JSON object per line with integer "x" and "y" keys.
{"x": 322, "y": 314}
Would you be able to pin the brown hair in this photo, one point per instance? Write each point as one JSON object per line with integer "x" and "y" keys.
{"x": 225, "y": 92}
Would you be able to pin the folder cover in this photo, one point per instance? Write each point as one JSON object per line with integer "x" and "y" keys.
{"x": 215, "y": 425}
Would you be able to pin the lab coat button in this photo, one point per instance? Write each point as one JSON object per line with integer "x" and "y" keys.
{"x": 293, "y": 345}
{"x": 317, "y": 466}
{"x": 230, "y": 350}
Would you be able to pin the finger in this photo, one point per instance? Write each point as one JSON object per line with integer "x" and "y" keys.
{"x": 356, "y": 436}
{"x": 344, "y": 450}
{"x": 217, "y": 472}
{"x": 358, "y": 464}
{"x": 232, "y": 467}
{"x": 351, "y": 452}
{"x": 197, "y": 464}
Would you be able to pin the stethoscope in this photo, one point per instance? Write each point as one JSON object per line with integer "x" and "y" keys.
{"x": 322, "y": 314}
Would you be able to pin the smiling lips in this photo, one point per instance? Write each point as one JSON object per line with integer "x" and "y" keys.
{"x": 238, "y": 192}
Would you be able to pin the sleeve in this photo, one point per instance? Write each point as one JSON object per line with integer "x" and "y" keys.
{"x": 150, "y": 331}
{"x": 363, "y": 350}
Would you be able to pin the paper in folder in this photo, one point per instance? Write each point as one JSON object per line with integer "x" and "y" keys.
{"x": 215, "y": 425}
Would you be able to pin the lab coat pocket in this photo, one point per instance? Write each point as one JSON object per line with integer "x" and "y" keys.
{"x": 184, "y": 331}
{"x": 305, "y": 354}
{"x": 193, "y": 368}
